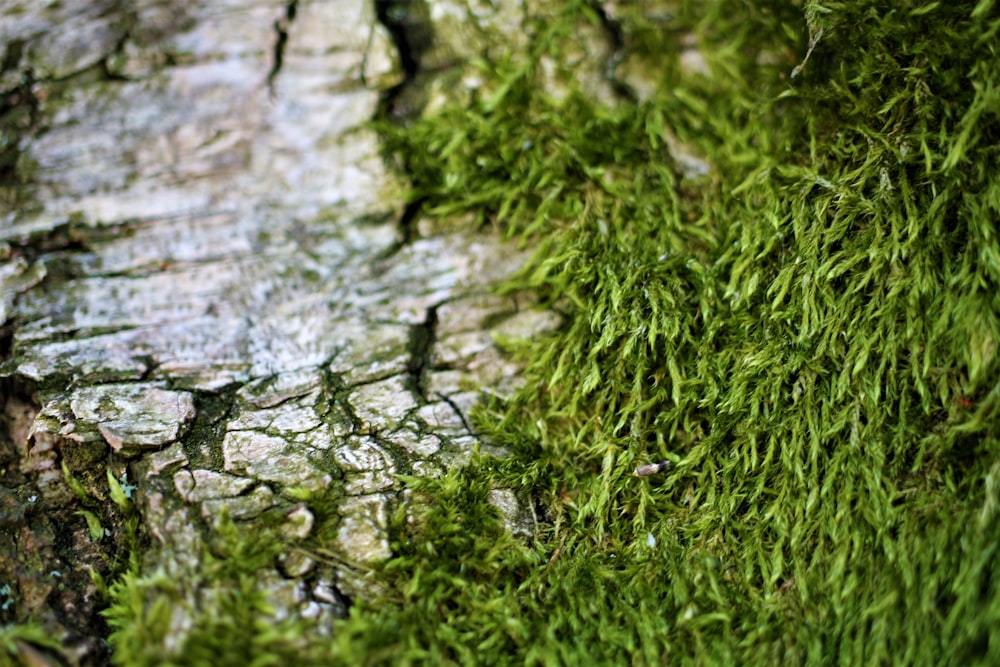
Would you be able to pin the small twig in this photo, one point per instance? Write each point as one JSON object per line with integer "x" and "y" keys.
{"x": 815, "y": 34}
{"x": 552, "y": 560}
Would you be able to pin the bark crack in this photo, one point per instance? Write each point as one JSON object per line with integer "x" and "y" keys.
{"x": 281, "y": 28}
{"x": 458, "y": 411}
{"x": 409, "y": 25}
{"x": 423, "y": 336}
{"x": 616, "y": 41}
{"x": 20, "y": 117}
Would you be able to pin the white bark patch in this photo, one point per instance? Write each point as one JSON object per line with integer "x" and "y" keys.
{"x": 133, "y": 417}
{"x": 200, "y": 485}
{"x": 271, "y": 459}
{"x": 382, "y": 405}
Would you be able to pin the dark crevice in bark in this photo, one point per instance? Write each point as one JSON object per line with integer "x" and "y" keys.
{"x": 13, "y": 391}
{"x": 408, "y": 23}
{"x": 202, "y": 440}
{"x": 151, "y": 366}
{"x": 320, "y": 589}
{"x": 107, "y": 63}
{"x": 281, "y": 27}
{"x": 68, "y": 236}
{"x": 407, "y": 230}
{"x": 408, "y": 221}
{"x": 334, "y": 405}
{"x": 422, "y": 338}
{"x": 20, "y": 114}
{"x": 7, "y": 330}
{"x": 616, "y": 41}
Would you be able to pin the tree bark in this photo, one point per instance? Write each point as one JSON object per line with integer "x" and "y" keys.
{"x": 207, "y": 292}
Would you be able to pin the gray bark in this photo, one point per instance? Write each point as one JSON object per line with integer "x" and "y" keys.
{"x": 205, "y": 289}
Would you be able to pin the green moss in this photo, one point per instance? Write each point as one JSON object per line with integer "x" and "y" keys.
{"x": 230, "y": 620}
{"x": 808, "y": 331}
{"x": 20, "y": 643}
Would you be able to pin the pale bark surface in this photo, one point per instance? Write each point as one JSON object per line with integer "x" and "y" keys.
{"x": 206, "y": 290}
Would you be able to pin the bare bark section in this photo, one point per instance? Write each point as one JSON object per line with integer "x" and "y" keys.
{"x": 207, "y": 295}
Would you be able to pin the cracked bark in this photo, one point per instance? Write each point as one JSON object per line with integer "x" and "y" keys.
{"x": 205, "y": 289}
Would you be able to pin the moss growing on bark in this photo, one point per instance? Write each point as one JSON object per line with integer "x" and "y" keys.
{"x": 807, "y": 329}
{"x": 780, "y": 272}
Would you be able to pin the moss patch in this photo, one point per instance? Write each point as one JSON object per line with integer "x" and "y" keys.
{"x": 232, "y": 624}
{"x": 806, "y": 328}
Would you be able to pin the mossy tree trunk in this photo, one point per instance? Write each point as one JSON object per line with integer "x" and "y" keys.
{"x": 218, "y": 310}
{"x": 240, "y": 351}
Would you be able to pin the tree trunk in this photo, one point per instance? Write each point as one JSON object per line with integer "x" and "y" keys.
{"x": 214, "y": 292}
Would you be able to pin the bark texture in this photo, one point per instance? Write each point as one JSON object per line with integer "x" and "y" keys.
{"x": 208, "y": 291}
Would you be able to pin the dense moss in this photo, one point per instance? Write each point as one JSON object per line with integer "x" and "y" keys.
{"x": 808, "y": 331}
{"x": 779, "y": 273}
